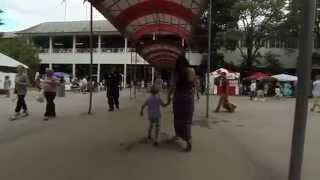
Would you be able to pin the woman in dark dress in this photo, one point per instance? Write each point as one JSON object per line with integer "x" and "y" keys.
{"x": 183, "y": 101}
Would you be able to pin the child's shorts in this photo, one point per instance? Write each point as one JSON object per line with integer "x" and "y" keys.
{"x": 155, "y": 121}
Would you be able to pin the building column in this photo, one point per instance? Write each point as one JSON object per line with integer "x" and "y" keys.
{"x": 152, "y": 75}
{"x": 98, "y": 72}
{"x": 50, "y": 45}
{"x": 74, "y": 70}
{"x": 50, "y": 66}
{"x": 125, "y": 76}
{"x": 74, "y": 45}
{"x": 99, "y": 44}
{"x": 28, "y": 40}
{"x": 125, "y": 45}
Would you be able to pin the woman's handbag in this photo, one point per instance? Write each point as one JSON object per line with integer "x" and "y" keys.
{"x": 40, "y": 97}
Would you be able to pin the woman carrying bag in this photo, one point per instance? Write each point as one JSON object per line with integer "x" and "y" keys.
{"x": 49, "y": 86}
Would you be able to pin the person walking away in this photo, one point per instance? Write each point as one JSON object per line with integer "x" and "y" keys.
{"x": 278, "y": 93}
{"x": 37, "y": 83}
{"x": 253, "y": 88}
{"x": 84, "y": 86}
{"x": 61, "y": 88}
{"x": 224, "y": 97}
{"x": 49, "y": 86}
{"x": 113, "y": 88}
{"x": 183, "y": 101}
{"x": 158, "y": 82}
{"x": 21, "y": 89}
{"x": 266, "y": 89}
{"x": 260, "y": 91}
{"x": 197, "y": 87}
{"x": 316, "y": 95}
{"x": 153, "y": 104}
{"x": 7, "y": 85}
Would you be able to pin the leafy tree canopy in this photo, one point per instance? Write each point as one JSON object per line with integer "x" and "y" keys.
{"x": 23, "y": 52}
{"x": 1, "y": 23}
{"x": 258, "y": 20}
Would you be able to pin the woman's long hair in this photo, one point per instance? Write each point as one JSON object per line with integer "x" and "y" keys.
{"x": 181, "y": 64}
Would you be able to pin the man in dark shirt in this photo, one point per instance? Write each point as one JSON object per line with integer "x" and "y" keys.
{"x": 113, "y": 82}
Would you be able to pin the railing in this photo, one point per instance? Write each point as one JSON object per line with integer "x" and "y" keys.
{"x": 112, "y": 50}
{"x": 45, "y": 50}
{"x": 95, "y": 50}
{"x": 62, "y": 50}
{"x": 86, "y": 50}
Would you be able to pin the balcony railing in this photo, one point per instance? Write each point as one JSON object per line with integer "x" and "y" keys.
{"x": 86, "y": 50}
{"x": 44, "y": 50}
{"x": 112, "y": 50}
{"x": 62, "y": 50}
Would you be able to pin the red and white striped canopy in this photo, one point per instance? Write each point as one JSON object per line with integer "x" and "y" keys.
{"x": 137, "y": 18}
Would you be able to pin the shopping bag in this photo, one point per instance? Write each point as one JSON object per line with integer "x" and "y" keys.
{"x": 40, "y": 97}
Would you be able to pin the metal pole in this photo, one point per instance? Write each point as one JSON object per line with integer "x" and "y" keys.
{"x": 135, "y": 75}
{"x": 304, "y": 73}
{"x": 209, "y": 57}
{"x": 91, "y": 58}
{"x": 131, "y": 76}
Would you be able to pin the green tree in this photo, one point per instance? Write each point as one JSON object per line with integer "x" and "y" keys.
{"x": 258, "y": 20}
{"x": 291, "y": 28}
{"x": 316, "y": 59}
{"x": 1, "y": 23}
{"x": 222, "y": 22}
{"x": 272, "y": 63}
{"x": 19, "y": 49}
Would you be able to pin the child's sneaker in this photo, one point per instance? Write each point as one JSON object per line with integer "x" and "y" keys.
{"x": 14, "y": 117}
{"x": 25, "y": 113}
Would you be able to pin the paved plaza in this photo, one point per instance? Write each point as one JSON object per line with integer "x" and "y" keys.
{"x": 251, "y": 144}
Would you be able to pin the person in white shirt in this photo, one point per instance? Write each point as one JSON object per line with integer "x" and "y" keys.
{"x": 316, "y": 94}
{"x": 84, "y": 85}
{"x": 253, "y": 89}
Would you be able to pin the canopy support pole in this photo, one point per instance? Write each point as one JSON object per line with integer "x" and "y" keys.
{"x": 135, "y": 76}
{"x": 209, "y": 58}
{"x": 131, "y": 76}
{"x": 304, "y": 78}
{"x": 91, "y": 59}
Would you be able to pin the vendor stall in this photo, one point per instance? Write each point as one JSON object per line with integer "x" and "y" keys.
{"x": 285, "y": 78}
{"x": 233, "y": 77}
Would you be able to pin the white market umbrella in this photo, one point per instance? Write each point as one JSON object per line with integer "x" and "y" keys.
{"x": 285, "y": 78}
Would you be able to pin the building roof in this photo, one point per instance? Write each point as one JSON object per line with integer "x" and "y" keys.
{"x": 7, "y": 61}
{"x": 70, "y": 27}
{"x": 8, "y": 34}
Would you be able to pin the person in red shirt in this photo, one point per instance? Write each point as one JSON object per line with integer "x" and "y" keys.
{"x": 224, "y": 97}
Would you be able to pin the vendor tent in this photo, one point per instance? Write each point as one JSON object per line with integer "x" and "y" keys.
{"x": 7, "y": 61}
{"x": 285, "y": 78}
{"x": 259, "y": 76}
{"x": 233, "y": 78}
{"x": 7, "y": 66}
{"x": 229, "y": 74}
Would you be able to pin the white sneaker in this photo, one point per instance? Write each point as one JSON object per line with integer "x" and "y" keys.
{"x": 15, "y": 116}
{"x": 25, "y": 113}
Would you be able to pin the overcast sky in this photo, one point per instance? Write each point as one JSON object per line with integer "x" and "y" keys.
{"x": 21, "y": 14}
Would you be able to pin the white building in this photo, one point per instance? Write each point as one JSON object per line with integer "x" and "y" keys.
{"x": 64, "y": 46}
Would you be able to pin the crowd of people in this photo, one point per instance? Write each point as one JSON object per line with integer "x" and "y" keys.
{"x": 258, "y": 90}
{"x": 182, "y": 91}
